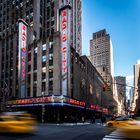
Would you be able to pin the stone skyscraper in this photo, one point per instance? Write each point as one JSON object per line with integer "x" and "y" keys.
{"x": 136, "y": 77}
{"x": 101, "y": 54}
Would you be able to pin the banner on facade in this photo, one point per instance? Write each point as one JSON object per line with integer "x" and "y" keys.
{"x": 65, "y": 48}
{"x": 22, "y": 47}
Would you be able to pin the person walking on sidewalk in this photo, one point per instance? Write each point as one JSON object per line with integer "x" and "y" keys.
{"x": 103, "y": 119}
{"x": 83, "y": 119}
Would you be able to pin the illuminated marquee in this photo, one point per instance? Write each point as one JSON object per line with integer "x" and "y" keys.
{"x": 22, "y": 57}
{"x": 105, "y": 110}
{"x": 48, "y": 99}
{"x": 98, "y": 108}
{"x": 25, "y": 101}
{"x": 76, "y": 102}
{"x": 92, "y": 106}
{"x": 56, "y": 99}
{"x": 62, "y": 100}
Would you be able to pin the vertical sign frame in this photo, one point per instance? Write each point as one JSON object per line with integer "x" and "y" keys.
{"x": 22, "y": 46}
{"x": 65, "y": 48}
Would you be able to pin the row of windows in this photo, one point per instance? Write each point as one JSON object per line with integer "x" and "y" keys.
{"x": 29, "y": 19}
{"x": 15, "y": 14}
{"x": 35, "y": 64}
{"x": 78, "y": 61}
{"x": 44, "y": 57}
{"x": 43, "y": 87}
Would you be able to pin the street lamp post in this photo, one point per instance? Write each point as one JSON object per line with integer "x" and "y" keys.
{"x": 43, "y": 107}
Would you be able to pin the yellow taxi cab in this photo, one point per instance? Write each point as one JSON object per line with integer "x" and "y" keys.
{"x": 120, "y": 121}
{"x": 17, "y": 122}
{"x": 131, "y": 129}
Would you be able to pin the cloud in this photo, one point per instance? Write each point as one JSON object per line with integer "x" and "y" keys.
{"x": 129, "y": 77}
{"x": 138, "y": 61}
{"x": 129, "y": 80}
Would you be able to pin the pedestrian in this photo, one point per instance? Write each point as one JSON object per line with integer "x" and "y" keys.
{"x": 83, "y": 119}
{"x": 103, "y": 119}
{"x": 93, "y": 119}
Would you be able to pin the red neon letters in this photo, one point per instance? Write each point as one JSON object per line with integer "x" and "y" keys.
{"x": 23, "y": 53}
{"x": 76, "y": 102}
{"x": 64, "y": 41}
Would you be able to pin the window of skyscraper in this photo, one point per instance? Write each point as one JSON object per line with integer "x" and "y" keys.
{"x": 43, "y": 47}
{"x": 43, "y": 86}
{"x": 44, "y": 58}
{"x": 50, "y": 56}
{"x": 43, "y": 75}
{"x": 35, "y": 76}
{"x": 50, "y": 87}
{"x": 43, "y": 53}
{"x": 34, "y": 89}
{"x": 50, "y": 62}
{"x": 51, "y": 49}
{"x": 35, "y": 50}
{"x": 44, "y": 64}
{"x": 51, "y": 73}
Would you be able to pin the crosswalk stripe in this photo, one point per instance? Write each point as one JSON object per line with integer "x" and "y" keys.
{"x": 113, "y": 139}
{"x": 116, "y": 135}
{"x": 113, "y": 136}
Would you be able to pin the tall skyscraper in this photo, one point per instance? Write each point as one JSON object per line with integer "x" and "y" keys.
{"x": 120, "y": 82}
{"x": 42, "y": 19}
{"x": 101, "y": 54}
{"x": 121, "y": 85}
{"x": 136, "y": 77}
{"x": 76, "y": 27}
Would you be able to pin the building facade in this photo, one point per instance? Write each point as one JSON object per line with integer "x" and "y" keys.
{"x": 121, "y": 84}
{"x": 85, "y": 99}
{"x": 101, "y": 53}
{"x": 43, "y": 19}
{"x": 136, "y": 77}
{"x": 121, "y": 90}
{"x": 42, "y": 70}
{"x": 137, "y": 109}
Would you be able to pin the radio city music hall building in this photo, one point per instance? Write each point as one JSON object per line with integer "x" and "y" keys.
{"x": 43, "y": 67}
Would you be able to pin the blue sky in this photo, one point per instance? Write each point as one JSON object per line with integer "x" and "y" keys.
{"x": 121, "y": 19}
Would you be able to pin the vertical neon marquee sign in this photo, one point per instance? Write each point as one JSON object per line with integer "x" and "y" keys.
{"x": 65, "y": 47}
{"x": 22, "y": 57}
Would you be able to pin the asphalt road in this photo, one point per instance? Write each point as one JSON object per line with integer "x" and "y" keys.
{"x": 63, "y": 132}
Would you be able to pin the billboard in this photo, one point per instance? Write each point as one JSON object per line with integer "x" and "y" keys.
{"x": 65, "y": 47}
{"x": 22, "y": 57}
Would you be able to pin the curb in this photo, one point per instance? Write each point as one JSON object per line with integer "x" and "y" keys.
{"x": 65, "y": 124}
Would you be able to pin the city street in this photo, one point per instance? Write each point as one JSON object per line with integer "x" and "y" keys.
{"x": 63, "y": 132}
{"x": 70, "y": 68}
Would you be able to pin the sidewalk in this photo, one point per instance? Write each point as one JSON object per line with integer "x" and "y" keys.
{"x": 73, "y": 124}
{"x": 65, "y": 124}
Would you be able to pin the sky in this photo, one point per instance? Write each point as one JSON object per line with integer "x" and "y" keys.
{"x": 121, "y": 19}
